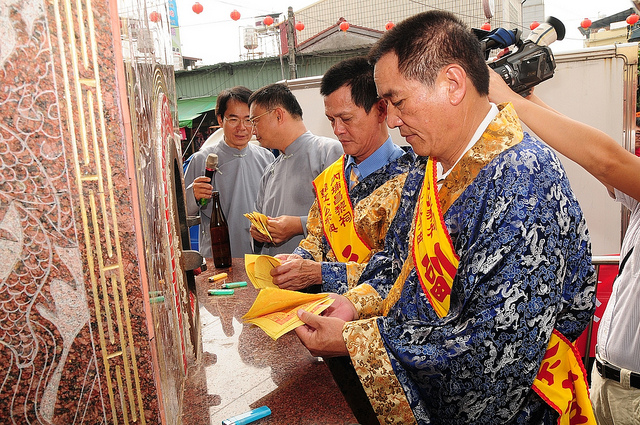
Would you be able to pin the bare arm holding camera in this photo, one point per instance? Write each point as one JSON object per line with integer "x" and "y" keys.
{"x": 591, "y": 148}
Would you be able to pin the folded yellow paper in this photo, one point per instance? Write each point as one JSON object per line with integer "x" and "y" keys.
{"x": 275, "y": 310}
{"x": 259, "y": 220}
{"x": 258, "y": 268}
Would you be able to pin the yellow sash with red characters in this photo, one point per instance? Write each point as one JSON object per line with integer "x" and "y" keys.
{"x": 434, "y": 257}
{"x": 562, "y": 382}
{"x": 337, "y": 215}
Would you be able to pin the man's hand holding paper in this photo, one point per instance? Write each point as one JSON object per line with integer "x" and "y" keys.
{"x": 296, "y": 273}
{"x": 322, "y": 335}
{"x": 258, "y": 228}
{"x": 275, "y": 310}
{"x": 258, "y": 268}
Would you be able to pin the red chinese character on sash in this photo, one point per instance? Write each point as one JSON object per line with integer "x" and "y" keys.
{"x": 440, "y": 289}
{"x": 324, "y": 193}
{"x": 448, "y": 266}
{"x": 569, "y": 382}
{"x": 327, "y": 215}
{"x": 435, "y": 269}
{"x": 576, "y": 417}
{"x": 575, "y": 411}
{"x": 332, "y": 228}
{"x": 429, "y": 230}
{"x": 545, "y": 372}
{"x": 346, "y": 253}
{"x": 345, "y": 218}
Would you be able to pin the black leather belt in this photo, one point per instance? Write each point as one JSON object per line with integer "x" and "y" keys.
{"x": 609, "y": 371}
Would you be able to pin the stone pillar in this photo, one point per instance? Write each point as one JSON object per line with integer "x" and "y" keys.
{"x": 98, "y": 319}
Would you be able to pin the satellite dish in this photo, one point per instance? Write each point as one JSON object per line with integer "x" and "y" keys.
{"x": 488, "y": 7}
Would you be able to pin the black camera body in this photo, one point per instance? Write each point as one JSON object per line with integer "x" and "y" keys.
{"x": 530, "y": 65}
{"x": 531, "y": 62}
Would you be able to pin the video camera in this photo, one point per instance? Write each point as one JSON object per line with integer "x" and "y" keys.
{"x": 532, "y": 62}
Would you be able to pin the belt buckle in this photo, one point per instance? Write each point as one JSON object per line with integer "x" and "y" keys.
{"x": 612, "y": 372}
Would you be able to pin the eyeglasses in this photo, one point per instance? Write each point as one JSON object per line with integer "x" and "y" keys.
{"x": 254, "y": 120}
{"x": 234, "y": 121}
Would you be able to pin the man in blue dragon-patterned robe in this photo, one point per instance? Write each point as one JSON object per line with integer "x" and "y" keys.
{"x": 471, "y": 349}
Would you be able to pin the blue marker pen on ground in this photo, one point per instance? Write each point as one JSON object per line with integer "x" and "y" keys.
{"x": 248, "y": 417}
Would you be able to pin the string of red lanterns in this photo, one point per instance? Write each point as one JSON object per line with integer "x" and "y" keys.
{"x": 631, "y": 20}
{"x": 344, "y": 25}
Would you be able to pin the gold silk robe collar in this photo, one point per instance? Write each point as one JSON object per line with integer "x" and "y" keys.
{"x": 503, "y": 132}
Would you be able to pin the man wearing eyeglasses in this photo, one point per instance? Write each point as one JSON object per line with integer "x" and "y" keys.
{"x": 286, "y": 191}
{"x": 237, "y": 177}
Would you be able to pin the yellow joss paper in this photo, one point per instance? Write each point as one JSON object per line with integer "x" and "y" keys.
{"x": 259, "y": 220}
{"x": 258, "y": 268}
{"x": 250, "y": 267}
{"x": 275, "y": 310}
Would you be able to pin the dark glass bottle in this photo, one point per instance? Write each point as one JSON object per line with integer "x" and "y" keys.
{"x": 220, "y": 246}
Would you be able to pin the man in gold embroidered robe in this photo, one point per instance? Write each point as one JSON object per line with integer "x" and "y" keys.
{"x": 349, "y": 219}
{"x": 495, "y": 256}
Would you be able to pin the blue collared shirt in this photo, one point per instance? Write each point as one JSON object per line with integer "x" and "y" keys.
{"x": 386, "y": 153}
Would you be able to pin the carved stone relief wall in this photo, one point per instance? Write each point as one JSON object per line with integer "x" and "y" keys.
{"x": 97, "y": 318}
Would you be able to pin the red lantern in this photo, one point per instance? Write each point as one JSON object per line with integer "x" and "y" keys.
{"x": 534, "y": 25}
{"x": 197, "y": 7}
{"x": 299, "y": 26}
{"x": 632, "y": 19}
{"x": 486, "y": 26}
{"x": 389, "y": 25}
{"x": 586, "y": 23}
{"x": 344, "y": 26}
{"x": 154, "y": 16}
{"x": 268, "y": 20}
{"x": 235, "y": 15}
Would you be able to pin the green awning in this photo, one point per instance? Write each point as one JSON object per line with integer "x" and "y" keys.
{"x": 190, "y": 109}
